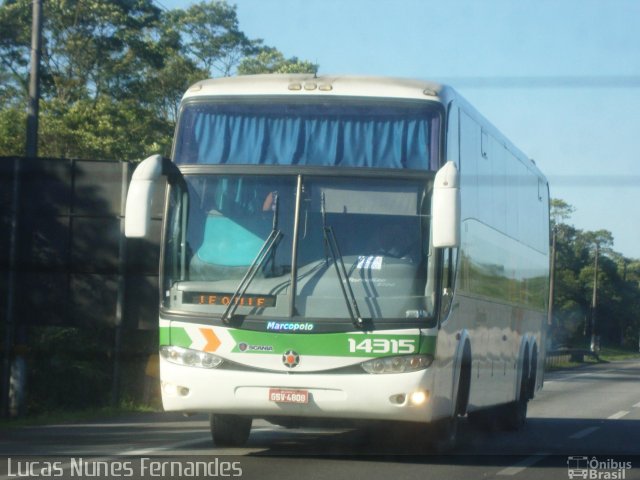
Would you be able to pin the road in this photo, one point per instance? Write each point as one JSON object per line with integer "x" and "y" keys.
{"x": 587, "y": 413}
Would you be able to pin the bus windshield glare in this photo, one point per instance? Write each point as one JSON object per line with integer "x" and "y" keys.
{"x": 218, "y": 224}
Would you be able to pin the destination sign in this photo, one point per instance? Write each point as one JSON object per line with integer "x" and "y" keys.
{"x": 216, "y": 298}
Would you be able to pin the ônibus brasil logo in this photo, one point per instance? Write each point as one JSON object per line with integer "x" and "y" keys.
{"x": 593, "y": 468}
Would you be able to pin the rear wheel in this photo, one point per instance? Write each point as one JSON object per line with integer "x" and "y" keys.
{"x": 229, "y": 430}
{"x": 514, "y": 414}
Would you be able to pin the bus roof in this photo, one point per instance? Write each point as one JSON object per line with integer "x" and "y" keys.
{"x": 346, "y": 85}
{"x": 297, "y": 84}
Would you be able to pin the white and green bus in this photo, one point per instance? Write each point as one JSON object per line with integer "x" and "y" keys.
{"x": 346, "y": 248}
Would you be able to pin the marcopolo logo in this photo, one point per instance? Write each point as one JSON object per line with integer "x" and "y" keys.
{"x": 290, "y": 327}
{"x": 593, "y": 468}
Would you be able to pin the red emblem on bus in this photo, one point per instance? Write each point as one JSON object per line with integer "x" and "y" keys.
{"x": 290, "y": 359}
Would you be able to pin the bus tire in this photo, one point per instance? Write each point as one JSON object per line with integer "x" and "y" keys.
{"x": 514, "y": 414}
{"x": 229, "y": 430}
{"x": 446, "y": 430}
{"x": 531, "y": 390}
{"x": 445, "y": 434}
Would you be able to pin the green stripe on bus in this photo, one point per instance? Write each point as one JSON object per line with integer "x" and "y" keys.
{"x": 321, "y": 344}
{"x": 165, "y": 335}
{"x": 332, "y": 344}
{"x": 180, "y": 337}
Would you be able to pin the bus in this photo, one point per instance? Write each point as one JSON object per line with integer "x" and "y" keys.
{"x": 351, "y": 249}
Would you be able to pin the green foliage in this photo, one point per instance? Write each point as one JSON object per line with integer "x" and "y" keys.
{"x": 270, "y": 60}
{"x": 618, "y": 292}
{"x": 12, "y": 131}
{"x": 211, "y": 37}
{"x": 101, "y": 130}
{"x": 560, "y": 211}
{"x": 113, "y": 72}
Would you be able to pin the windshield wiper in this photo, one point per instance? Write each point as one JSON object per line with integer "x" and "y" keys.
{"x": 341, "y": 270}
{"x": 267, "y": 248}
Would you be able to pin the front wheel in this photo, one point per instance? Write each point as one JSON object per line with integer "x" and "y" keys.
{"x": 229, "y": 430}
{"x": 445, "y": 434}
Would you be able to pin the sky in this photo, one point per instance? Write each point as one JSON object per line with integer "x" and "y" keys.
{"x": 560, "y": 78}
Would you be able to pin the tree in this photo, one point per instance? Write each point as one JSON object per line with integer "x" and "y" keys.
{"x": 560, "y": 211}
{"x": 270, "y": 60}
{"x": 113, "y": 72}
{"x": 211, "y": 38}
{"x": 618, "y": 309}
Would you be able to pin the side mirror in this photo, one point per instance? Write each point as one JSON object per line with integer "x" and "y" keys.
{"x": 137, "y": 218}
{"x": 445, "y": 215}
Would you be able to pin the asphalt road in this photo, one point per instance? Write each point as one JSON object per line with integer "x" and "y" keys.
{"x": 584, "y": 418}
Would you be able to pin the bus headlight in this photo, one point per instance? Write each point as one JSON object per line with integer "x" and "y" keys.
{"x": 189, "y": 357}
{"x": 400, "y": 364}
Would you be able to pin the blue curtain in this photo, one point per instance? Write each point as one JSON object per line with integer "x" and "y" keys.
{"x": 381, "y": 137}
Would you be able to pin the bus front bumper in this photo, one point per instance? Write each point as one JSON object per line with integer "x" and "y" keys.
{"x": 401, "y": 397}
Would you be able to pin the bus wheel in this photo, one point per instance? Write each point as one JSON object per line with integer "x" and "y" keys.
{"x": 445, "y": 434}
{"x": 515, "y": 413}
{"x": 229, "y": 430}
{"x": 446, "y": 430}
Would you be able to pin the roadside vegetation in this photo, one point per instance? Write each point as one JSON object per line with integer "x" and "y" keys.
{"x": 113, "y": 72}
{"x": 616, "y": 317}
{"x": 64, "y": 416}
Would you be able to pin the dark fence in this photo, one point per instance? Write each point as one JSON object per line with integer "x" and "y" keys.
{"x": 73, "y": 266}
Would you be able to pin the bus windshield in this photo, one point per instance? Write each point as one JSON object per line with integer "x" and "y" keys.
{"x": 333, "y": 133}
{"x": 377, "y": 227}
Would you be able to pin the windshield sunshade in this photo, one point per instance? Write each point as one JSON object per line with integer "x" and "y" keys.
{"x": 317, "y": 134}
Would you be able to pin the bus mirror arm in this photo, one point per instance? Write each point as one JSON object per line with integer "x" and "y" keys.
{"x": 140, "y": 194}
{"x": 445, "y": 218}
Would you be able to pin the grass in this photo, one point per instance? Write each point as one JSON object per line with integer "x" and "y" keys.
{"x": 62, "y": 416}
{"x": 607, "y": 354}
{"x": 612, "y": 354}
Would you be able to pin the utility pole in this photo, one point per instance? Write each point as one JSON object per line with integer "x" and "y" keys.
{"x": 34, "y": 81}
{"x": 594, "y": 304}
{"x": 552, "y": 277}
{"x": 14, "y": 369}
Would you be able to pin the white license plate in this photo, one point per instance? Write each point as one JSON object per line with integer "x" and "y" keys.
{"x": 281, "y": 395}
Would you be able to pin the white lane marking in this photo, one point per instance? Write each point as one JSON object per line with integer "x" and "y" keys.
{"x": 618, "y": 415}
{"x": 637, "y": 405}
{"x": 584, "y": 433}
{"x": 571, "y": 375}
{"x": 184, "y": 443}
{"x": 523, "y": 465}
{"x": 188, "y": 443}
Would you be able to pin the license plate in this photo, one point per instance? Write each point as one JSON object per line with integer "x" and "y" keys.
{"x": 280, "y": 395}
